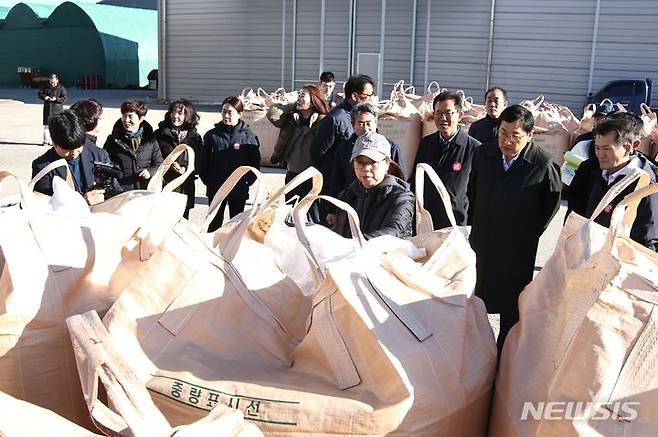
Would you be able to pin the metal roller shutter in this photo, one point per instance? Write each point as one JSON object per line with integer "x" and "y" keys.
{"x": 543, "y": 48}
{"x": 627, "y": 47}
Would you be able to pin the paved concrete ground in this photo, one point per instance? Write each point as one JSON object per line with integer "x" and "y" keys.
{"x": 22, "y": 133}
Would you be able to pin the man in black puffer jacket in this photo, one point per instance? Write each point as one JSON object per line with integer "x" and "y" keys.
{"x": 133, "y": 146}
{"x": 383, "y": 202}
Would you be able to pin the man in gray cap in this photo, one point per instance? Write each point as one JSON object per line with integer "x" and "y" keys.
{"x": 379, "y": 195}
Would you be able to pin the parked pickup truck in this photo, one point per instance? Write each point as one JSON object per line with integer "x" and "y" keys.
{"x": 630, "y": 93}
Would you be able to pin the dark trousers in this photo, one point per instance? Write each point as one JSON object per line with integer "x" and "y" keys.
{"x": 301, "y": 192}
{"x": 235, "y": 207}
{"x": 507, "y": 320}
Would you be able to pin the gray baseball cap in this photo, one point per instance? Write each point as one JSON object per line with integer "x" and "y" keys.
{"x": 373, "y": 145}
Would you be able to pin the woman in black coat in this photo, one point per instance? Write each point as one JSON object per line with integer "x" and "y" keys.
{"x": 381, "y": 199}
{"x": 133, "y": 146}
{"x": 229, "y": 145}
{"x": 179, "y": 127}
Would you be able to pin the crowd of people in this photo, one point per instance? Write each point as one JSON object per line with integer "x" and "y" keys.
{"x": 500, "y": 183}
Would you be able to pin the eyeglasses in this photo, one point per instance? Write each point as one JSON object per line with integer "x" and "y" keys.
{"x": 363, "y": 163}
{"x": 366, "y": 96}
{"x": 448, "y": 114}
{"x": 513, "y": 138}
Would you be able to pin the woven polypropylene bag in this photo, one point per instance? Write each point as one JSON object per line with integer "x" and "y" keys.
{"x": 57, "y": 264}
{"x": 585, "y": 342}
{"x": 392, "y": 278}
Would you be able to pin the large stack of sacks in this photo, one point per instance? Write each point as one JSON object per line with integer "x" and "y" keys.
{"x": 256, "y": 328}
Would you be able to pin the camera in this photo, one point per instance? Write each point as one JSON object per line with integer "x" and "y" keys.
{"x": 105, "y": 174}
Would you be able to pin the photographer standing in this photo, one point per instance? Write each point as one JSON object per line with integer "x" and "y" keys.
{"x": 53, "y": 96}
{"x": 133, "y": 146}
{"x": 68, "y": 134}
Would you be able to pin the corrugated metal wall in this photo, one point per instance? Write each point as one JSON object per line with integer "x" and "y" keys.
{"x": 398, "y": 33}
{"x": 457, "y": 44}
{"x": 627, "y": 43}
{"x": 217, "y": 47}
{"x": 543, "y": 48}
{"x": 214, "y": 48}
{"x": 307, "y": 54}
{"x": 314, "y": 54}
{"x": 336, "y": 38}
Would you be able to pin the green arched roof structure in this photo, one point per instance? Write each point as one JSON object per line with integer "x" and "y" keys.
{"x": 78, "y": 39}
{"x": 28, "y": 15}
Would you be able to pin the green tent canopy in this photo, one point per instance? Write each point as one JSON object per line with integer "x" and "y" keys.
{"x": 117, "y": 46}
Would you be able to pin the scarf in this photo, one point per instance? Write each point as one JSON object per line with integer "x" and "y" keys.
{"x": 180, "y": 135}
{"x": 135, "y": 138}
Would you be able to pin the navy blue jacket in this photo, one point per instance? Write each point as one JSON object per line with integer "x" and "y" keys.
{"x": 332, "y": 130}
{"x": 225, "y": 148}
{"x": 485, "y": 130}
{"x": 342, "y": 172}
{"x": 90, "y": 154}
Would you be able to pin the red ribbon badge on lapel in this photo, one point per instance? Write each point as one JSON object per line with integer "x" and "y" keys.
{"x": 607, "y": 209}
{"x": 456, "y": 166}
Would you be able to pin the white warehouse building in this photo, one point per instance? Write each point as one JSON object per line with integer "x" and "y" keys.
{"x": 563, "y": 49}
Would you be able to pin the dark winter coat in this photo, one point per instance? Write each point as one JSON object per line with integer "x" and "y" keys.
{"x": 225, "y": 148}
{"x": 485, "y": 130}
{"x": 52, "y": 107}
{"x": 453, "y": 165}
{"x": 589, "y": 187}
{"x": 168, "y": 141}
{"x": 293, "y": 146}
{"x": 131, "y": 162}
{"x": 342, "y": 172}
{"x": 510, "y": 212}
{"x": 90, "y": 154}
{"x": 335, "y": 128}
{"x": 386, "y": 209}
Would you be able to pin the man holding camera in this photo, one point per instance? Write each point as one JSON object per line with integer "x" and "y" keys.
{"x": 53, "y": 96}
{"x": 68, "y": 135}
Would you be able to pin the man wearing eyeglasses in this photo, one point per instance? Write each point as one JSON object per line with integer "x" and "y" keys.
{"x": 364, "y": 121}
{"x": 515, "y": 192}
{"x": 336, "y": 126}
{"x": 450, "y": 152}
